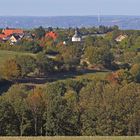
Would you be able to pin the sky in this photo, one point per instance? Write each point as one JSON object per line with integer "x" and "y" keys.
{"x": 68, "y": 7}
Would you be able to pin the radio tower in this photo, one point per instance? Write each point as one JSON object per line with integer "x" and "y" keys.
{"x": 99, "y": 18}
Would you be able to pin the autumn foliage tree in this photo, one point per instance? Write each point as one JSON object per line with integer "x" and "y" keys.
{"x": 36, "y": 105}
{"x": 10, "y": 70}
{"x": 135, "y": 71}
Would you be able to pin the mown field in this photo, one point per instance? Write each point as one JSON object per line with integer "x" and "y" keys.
{"x": 70, "y": 138}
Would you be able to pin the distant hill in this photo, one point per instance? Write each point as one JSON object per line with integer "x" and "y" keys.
{"x": 124, "y": 22}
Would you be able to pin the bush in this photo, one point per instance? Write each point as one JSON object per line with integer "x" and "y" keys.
{"x": 135, "y": 71}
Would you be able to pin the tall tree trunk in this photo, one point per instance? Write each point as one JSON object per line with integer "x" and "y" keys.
{"x": 35, "y": 125}
{"x": 21, "y": 127}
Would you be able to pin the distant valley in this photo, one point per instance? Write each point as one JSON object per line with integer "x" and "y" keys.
{"x": 124, "y": 22}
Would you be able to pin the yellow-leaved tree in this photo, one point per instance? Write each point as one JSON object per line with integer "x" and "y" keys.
{"x": 10, "y": 70}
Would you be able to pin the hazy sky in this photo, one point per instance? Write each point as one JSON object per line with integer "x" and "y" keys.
{"x": 69, "y": 7}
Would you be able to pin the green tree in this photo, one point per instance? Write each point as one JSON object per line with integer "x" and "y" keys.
{"x": 28, "y": 46}
{"x": 70, "y": 56}
{"x": 99, "y": 55}
{"x": 27, "y": 64}
{"x": 8, "y": 120}
{"x": 39, "y": 32}
{"x": 135, "y": 71}
{"x": 10, "y": 70}
{"x": 45, "y": 64}
{"x": 36, "y": 105}
{"x": 16, "y": 96}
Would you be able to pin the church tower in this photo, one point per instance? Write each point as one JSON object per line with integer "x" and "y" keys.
{"x": 77, "y": 36}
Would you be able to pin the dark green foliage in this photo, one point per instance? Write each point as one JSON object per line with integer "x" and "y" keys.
{"x": 39, "y": 32}
{"x": 99, "y": 55}
{"x": 70, "y": 56}
{"x": 22, "y": 46}
{"x": 135, "y": 71}
{"x": 29, "y": 46}
{"x": 71, "y": 108}
{"x": 45, "y": 64}
{"x": 27, "y": 64}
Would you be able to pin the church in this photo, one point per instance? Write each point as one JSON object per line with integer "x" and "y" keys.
{"x": 77, "y": 37}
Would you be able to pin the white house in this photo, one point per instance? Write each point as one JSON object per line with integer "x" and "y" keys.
{"x": 14, "y": 38}
{"x": 77, "y": 37}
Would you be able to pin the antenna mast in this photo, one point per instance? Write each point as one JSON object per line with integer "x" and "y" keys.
{"x": 99, "y": 18}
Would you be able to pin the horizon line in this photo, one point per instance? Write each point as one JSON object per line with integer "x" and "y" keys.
{"x": 63, "y": 15}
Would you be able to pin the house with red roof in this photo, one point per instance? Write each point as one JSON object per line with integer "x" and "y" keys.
{"x": 52, "y": 35}
{"x": 2, "y": 36}
{"x": 10, "y": 31}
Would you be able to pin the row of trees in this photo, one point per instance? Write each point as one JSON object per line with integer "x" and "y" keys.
{"x": 71, "y": 108}
{"x": 25, "y": 65}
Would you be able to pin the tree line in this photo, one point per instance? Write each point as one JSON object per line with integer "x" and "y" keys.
{"x": 71, "y": 108}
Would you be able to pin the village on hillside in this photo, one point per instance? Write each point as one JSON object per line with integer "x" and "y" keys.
{"x": 48, "y": 40}
{"x": 13, "y": 35}
{"x": 52, "y": 37}
{"x": 95, "y": 48}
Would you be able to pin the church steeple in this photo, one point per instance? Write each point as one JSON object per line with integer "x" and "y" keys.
{"x": 77, "y": 36}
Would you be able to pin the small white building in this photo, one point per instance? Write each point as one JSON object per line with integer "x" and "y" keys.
{"x": 77, "y": 37}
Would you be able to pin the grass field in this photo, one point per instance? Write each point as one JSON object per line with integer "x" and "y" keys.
{"x": 92, "y": 76}
{"x": 4, "y": 55}
{"x": 70, "y": 138}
